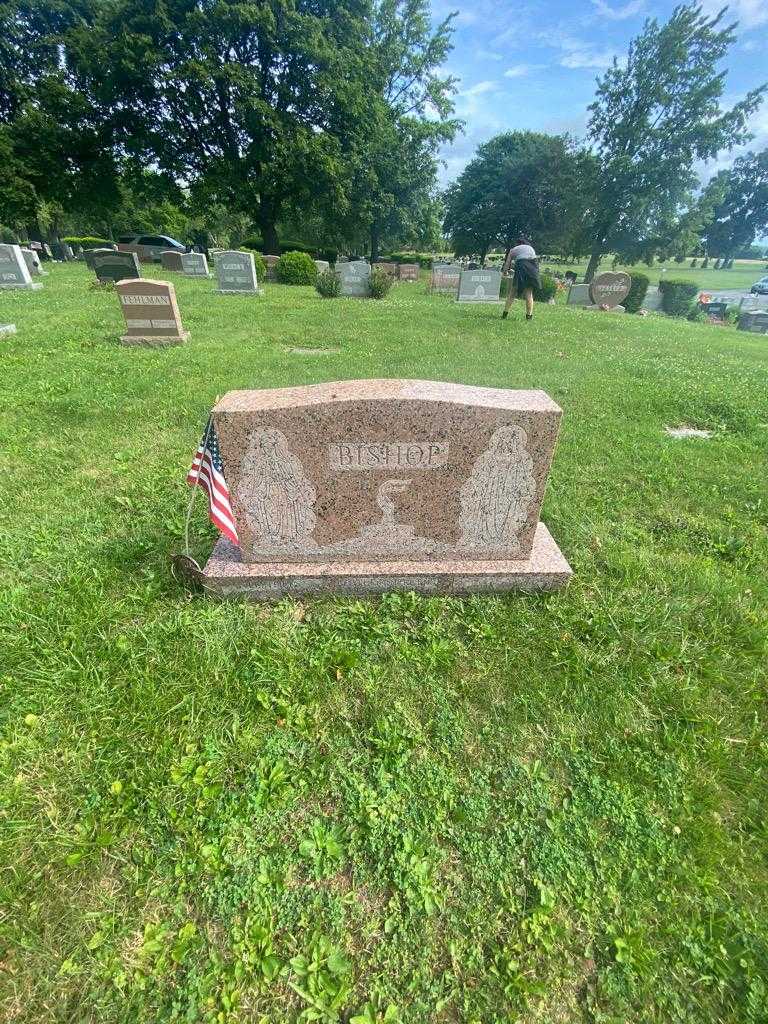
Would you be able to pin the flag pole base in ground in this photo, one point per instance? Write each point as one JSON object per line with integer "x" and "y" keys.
{"x": 226, "y": 575}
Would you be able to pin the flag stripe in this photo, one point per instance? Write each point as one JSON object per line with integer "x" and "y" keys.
{"x": 206, "y": 472}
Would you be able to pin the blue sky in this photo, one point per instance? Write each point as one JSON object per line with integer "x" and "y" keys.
{"x": 532, "y": 64}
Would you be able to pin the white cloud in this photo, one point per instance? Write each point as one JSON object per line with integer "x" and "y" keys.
{"x": 628, "y": 10}
{"x": 748, "y": 13}
{"x": 521, "y": 70}
{"x": 479, "y": 88}
{"x": 587, "y": 58}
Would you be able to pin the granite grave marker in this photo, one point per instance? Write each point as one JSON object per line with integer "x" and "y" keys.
{"x": 481, "y": 285}
{"x": 368, "y": 486}
{"x": 14, "y": 272}
{"x": 194, "y": 264}
{"x": 151, "y": 313}
{"x": 170, "y": 259}
{"x": 355, "y": 279}
{"x": 236, "y": 272}
{"x": 610, "y": 289}
{"x": 116, "y": 266}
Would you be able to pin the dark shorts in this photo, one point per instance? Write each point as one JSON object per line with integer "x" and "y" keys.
{"x": 526, "y": 276}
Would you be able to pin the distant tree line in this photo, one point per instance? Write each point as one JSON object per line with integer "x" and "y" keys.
{"x": 174, "y": 115}
{"x": 631, "y": 189}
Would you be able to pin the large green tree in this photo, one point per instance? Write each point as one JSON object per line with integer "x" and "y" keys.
{"x": 249, "y": 104}
{"x": 652, "y": 118}
{"x": 743, "y": 213}
{"x": 520, "y": 183}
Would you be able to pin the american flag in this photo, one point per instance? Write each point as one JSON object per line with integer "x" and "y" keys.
{"x": 207, "y": 472}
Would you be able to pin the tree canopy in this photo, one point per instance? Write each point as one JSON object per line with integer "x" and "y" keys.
{"x": 742, "y": 215}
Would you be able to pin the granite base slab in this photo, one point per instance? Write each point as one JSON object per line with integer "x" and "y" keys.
{"x": 226, "y": 575}
{"x": 152, "y": 341}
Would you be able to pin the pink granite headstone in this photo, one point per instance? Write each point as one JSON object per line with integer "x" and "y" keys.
{"x": 365, "y": 486}
{"x": 151, "y": 313}
{"x": 610, "y": 289}
{"x": 408, "y": 272}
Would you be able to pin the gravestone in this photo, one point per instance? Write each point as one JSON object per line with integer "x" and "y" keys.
{"x": 578, "y": 295}
{"x": 610, "y": 289}
{"x": 236, "y": 272}
{"x": 323, "y": 266}
{"x": 481, "y": 285}
{"x": 34, "y": 266}
{"x": 13, "y": 269}
{"x": 151, "y": 313}
{"x": 408, "y": 271}
{"x": 90, "y": 255}
{"x": 117, "y": 266}
{"x": 387, "y": 267}
{"x": 355, "y": 279}
{"x": 753, "y": 302}
{"x": 170, "y": 259}
{"x": 444, "y": 278}
{"x": 7, "y": 329}
{"x": 194, "y": 264}
{"x": 61, "y": 252}
{"x": 715, "y": 311}
{"x": 368, "y": 486}
{"x": 270, "y": 262}
{"x": 755, "y": 321}
{"x": 214, "y": 253}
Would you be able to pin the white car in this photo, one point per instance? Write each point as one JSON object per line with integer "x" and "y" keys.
{"x": 149, "y": 247}
{"x": 760, "y": 287}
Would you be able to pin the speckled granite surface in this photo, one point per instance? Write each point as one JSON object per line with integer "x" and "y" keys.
{"x": 227, "y": 575}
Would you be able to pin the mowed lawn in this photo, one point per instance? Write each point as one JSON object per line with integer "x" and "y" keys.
{"x": 543, "y": 808}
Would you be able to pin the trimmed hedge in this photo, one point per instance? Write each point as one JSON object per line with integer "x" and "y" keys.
{"x": 285, "y": 246}
{"x": 296, "y": 268}
{"x": 328, "y": 284}
{"x": 87, "y": 241}
{"x": 381, "y": 282}
{"x": 637, "y": 292}
{"x": 677, "y": 295}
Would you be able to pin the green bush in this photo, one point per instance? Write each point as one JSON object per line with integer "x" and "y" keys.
{"x": 87, "y": 241}
{"x": 381, "y": 282}
{"x": 296, "y": 268}
{"x": 548, "y": 289}
{"x": 258, "y": 263}
{"x": 286, "y": 245}
{"x": 705, "y": 263}
{"x": 328, "y": 284}
{"x": 677, "y": 295}
{"x": 637, "y": 292}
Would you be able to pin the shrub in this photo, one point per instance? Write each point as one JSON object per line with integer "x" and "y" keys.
{"x": 381, "y": 282}
{"x": 680, "y": 258}
{"x": 705, "y": 263}
{"x": 258, "y": 263}
{"x": 637, "y": 292}
{"x": 548, "y": 289}
{"x": 328, "y": 284}
{"x": 87, "y": 241}
{"x": 296, "y": 268}
{"x": 677, "y": 295}
{"x": 717, "y": 264}
{"x": 693, "y": 263}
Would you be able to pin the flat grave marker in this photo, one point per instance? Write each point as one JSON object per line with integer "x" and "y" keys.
{"x": 151, "y": 313}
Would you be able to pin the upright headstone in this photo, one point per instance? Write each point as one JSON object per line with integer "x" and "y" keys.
{"x": 368, "y": 486}
{"x": 482, "y": 285}
{"x": 610, "y": 289}
{"x": 170, "y": 259}
{"x": 68, "y": 251}
{"x": 34, "y": 266}
{"x": 91, "y": 255}
{"x": 755, "y": 321}
{"x": 13, "y": 269}
{"x": 322, "y": 266}
{"x": 387, "y": 267}
{"x": 151, "y": 313}
{"x": 444, "y": 278}
{"x": 213, "y": 254}
{"x": 270, "y": 262}
{"x": 236, "y": 272}
{"x": 578, "y": 295}
{"x": 355, "y": 279}
{"x": 408, "y": 271}
{"x": 716, "y": 312}
{"x": 117, "y": 266}
{"x": 59, "y": 252}
{"x": 194, "y": 264}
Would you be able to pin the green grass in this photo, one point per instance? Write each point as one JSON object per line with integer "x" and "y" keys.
{"x": 542, "y": 808}
{"x": 743, "y": 275}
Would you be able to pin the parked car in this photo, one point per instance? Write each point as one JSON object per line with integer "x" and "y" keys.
{"x": 149, "y": 247}
{"x": 760, "y": 287}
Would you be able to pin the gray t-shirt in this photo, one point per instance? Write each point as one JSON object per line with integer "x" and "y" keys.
{"x": 522, "y": 252}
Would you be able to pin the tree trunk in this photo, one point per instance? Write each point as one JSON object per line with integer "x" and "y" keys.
{"x": 34, "y": 234}
{"x": 375, "y": 239}
{"x": 594, "y": 263}
{"x": 269, "y": 237}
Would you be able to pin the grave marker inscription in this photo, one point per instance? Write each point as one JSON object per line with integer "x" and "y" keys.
{"x": 482, "y": 285}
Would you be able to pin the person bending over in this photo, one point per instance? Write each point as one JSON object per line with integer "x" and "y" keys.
{"x": 525, "y": 277}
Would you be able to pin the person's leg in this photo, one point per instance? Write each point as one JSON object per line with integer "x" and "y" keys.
{"x": 528, "y": 296}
